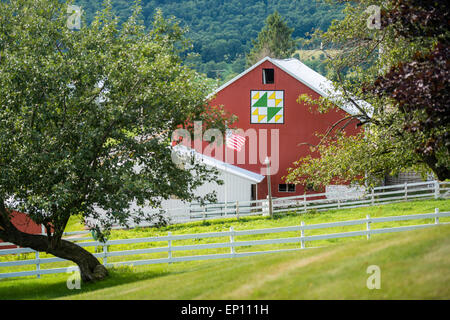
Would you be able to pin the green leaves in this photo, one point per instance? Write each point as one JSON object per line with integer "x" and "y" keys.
{"x": 274, "y": 40}
{"x": 80, "y": 111}
{"x": 400, "y": 71}
{"x": 362, "y": 159}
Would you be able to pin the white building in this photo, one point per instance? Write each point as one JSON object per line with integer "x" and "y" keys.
{"x": 239, "y": 185}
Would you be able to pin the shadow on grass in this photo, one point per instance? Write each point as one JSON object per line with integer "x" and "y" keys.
{"x": 55, "y": 286}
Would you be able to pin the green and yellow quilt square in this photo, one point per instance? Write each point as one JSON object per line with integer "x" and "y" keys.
{"x": 267, "y": 106}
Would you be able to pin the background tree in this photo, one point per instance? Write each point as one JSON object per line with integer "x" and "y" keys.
{"x": 86, "y": 119}
{"x": 211, "y": 23}
{"x": 274, "y": 40}
{"x": 399, "y": 67}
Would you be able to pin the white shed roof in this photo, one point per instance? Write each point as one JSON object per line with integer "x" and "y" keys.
{"x": 220, "y": 165}
{"x": 308, "y": 77}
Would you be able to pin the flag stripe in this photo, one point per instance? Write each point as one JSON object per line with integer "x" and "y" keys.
{"x": 235, "y": 141}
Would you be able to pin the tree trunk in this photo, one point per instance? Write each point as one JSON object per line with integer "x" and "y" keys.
{"x": 441, "y": 171}
{"x": 90, "y": 267}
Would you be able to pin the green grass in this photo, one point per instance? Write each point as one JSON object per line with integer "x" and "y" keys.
{"x": 257, "y": 222}
{"x": 414, "y": 265}
{"x": 120, "y": 276}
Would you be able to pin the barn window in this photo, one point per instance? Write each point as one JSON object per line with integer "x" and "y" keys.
{"x": 253, "y": 192}
{"x": 286, "y": 188}
{"x": 268, "y": 76}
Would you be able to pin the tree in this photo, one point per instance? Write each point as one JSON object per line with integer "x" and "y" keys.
{"x": 210, "y": 21}
{"x": 86, "y": 118}
{"x": 274, "y": 40}
{"x": 394, "y": 56}
{"x": 419, "y": 89}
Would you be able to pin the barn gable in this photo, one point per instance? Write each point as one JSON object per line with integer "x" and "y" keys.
{"x": 304, "y": 74}
{"x": 265, "y": 100}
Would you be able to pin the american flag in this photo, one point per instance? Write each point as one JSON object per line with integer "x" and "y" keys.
{"x": 234, "y": 141}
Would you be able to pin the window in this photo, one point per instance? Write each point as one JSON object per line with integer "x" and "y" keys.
{"x": 268, "y": 76}
{"x": 253, "y": 192}
{"x": 286, "y": 188}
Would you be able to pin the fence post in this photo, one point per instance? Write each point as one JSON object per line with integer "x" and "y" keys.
{"x": 302, "y": 234}
{"x": 237, "y": 210}
{"x": 339, "y": 203}
{"x": 204, "y": 213}
{"x": 368, "y": 227}
{"x": 170, "y": 247}
{"x": 232, "y": 241}
{"x": 436, "y": 189}
{"x": 105, "y": 253}
{"x": 406, "y": 191}
{"x": 436, "y": 220}
{"x": 38, "y": 265}
{"x": 304, "y": 202}
{"x": 265, "y": 207}
{"x": 372, "y": 195}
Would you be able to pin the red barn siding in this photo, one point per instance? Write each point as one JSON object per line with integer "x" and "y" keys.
{"x": 299, "y": 125}
{"x": 23, "y": 223}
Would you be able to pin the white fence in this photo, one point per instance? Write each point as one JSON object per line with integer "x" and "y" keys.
{"x": 302, "y": 203}
{"x": 232, "y": 244}
{"x": 318, "y": 201}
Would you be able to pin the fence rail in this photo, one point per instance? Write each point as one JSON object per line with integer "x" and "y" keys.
{"x": 232, "y": 244}
{"x": 318, "y": 201}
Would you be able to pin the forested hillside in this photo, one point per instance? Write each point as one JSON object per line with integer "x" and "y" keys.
{"x": 222, "y": 30}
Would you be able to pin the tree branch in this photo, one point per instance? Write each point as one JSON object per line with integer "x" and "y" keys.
{"x": 349, "y": 118}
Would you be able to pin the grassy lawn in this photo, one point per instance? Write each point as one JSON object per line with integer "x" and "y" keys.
{"x": 414, "y": 265}
{"x": 156, "y": 271}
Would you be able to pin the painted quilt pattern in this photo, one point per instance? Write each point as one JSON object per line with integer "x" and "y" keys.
{"x": 267, "y": 106}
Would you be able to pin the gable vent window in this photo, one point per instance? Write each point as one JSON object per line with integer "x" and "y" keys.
{"x": 268, "y": 76}
{"x": 286, "y": 188}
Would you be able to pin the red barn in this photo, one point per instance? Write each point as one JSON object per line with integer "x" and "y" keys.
{"x": 264, "y": 97}
{"x": 23, "y": 223}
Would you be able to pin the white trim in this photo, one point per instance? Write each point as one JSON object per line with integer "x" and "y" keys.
{"x": 238, "y": 76}
{"x": 223, "y": 166}
{"x": 302, "y": 80}
{"x": 325, "y": 88}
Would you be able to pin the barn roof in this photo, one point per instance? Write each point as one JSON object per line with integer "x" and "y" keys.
{"x": 308, "y": 77}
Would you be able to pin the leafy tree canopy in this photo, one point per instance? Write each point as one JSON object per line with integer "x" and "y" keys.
{"x": 86, "y": 118}
{"x": 397, "y": 61}
{"x": 274, "y": 40}
{"x": 222, "y": 31}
